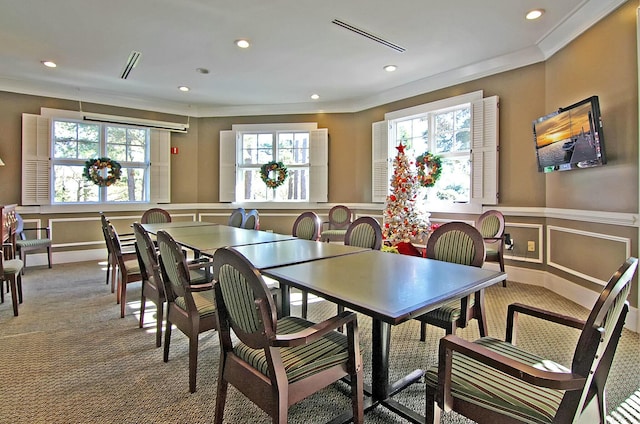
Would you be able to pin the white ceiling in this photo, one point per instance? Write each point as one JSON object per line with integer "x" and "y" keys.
{"x": 296, "y": 49}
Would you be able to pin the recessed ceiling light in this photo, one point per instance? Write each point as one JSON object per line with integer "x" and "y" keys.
{"x": 242, "y": 43}
{"x": 202, "y": 70}
{"x": 49, "y": 64}
{"x": 390, "y": 68}
{"x": 534, "y": 14}
{"x": 183, "y": 88}
{"x": 315, "y": 96}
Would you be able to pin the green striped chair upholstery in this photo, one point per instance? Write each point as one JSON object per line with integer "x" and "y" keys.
{"x": 494, "y": 381}
{"x": 277, "y": 362}
{"x": 364, "y": 232}
{"x": 190, "y": 306}
{"x": 339, "y": 220}
{"x": 155, "y": 216}
{"x": 11, "y": 272}
{"x": 491, "y": 226}
{"x": 38, "y": 240}
{"x": 459, "y": 243}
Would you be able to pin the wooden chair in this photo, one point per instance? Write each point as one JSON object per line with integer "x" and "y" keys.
{"x": 127, "y": 246}
{"x": 307, "y": 226}
{"x": 364, "y": 232}
{"x": 236, "y": 219}
{"x": 39, "y": 240}
{"x": 340, "y": 217}
{"x": 276, "y": 363}
{"x": 155, "y": 216}
{"x": 128, "y": 268}
{"x": 251, "y": 220}
{"x": 459, "y": 243}
{"x": 494, "y": 381}
{"x": 11, "y": 272}
{"x": 190, "y": 306}
{"x": 491, "y": 226}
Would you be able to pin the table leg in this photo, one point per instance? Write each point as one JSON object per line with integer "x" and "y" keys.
{"x": 285, "y": 295}
{"x": 380, "y": 340}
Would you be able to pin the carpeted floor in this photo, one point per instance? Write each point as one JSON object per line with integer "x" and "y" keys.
{"x": 70, "y": 358}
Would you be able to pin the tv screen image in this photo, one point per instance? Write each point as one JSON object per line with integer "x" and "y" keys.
{"x": 570, "y": 138}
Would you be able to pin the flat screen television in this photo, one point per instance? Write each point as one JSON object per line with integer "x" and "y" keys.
{"x": 570, "y": 138}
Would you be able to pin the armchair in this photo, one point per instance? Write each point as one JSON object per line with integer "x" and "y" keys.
{"x": 459, "y": 243}
{"x": 339, "y": 219}
{"x": 155, "y": 216}
{"x": 39, "y": 240}
{"x": 494, "y": 381}
{"x": 277, "y": 362}
{"x": 491, "y": 226}
{"x": 10, "y": 271}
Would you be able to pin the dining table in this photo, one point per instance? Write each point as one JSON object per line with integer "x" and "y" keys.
{"x": 391, "y": 289}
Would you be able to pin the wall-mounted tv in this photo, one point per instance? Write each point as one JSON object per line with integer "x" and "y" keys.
{"x": 570, "y": 138}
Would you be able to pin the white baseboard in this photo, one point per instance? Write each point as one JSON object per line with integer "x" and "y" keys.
{"x": 561, "y": 286}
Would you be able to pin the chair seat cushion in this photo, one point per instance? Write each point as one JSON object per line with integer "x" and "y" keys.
{"x": 132, "y": 266}
{"x": 300, "y": 361}
{"x": 12, "y": 266}
{"x": 204, "y": 301}
{"x": 475, "y": 382}
{"x": 33, "y": 243}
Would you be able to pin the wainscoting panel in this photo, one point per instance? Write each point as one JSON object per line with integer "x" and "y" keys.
{"x": 521, "y": 233}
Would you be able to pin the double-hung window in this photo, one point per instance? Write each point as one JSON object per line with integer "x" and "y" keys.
{"x": 75, "y": 142}
{"x": 462, "y": 131}
{"x": 301, "y": 149}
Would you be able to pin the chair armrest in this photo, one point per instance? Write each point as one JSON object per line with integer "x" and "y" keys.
{"x": 200, "y": 263}
{"x": 315, "y": 332}
{"x": 524, "y": 372}
{"x": 201, "y": 287}
{"x": 518, "y": 308}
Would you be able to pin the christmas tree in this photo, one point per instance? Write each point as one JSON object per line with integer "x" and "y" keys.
{"x": 402, "y": 222}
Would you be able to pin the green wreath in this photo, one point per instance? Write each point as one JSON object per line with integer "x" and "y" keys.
{"x": 280, "y": 170}
{"x": 93, "y": 171}
{"x": 429, "y": 169}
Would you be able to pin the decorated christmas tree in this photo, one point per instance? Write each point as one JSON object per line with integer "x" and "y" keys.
{"x": 402, "y": 221}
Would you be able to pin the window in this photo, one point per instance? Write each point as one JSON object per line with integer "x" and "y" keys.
{"x": 462, "y": 131}
{"x": 75, "y": 142}
{"x": 57, "y": 143}
{"x": 302, "y": 148}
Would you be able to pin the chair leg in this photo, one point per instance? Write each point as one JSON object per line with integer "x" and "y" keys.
{"x": 357, "y": 401}
{"x": 221, "y": 395}
{"x": 432, "y": 410}
{"x": 305, "y": 304}
{"x": 193, "y": 361}
{"x": 167, "y": 340}
{"x": 123, "y": 296}
{"x": 108, "y": 267}
{"x": 159, "y": 318}
{"x": 19, "y": 286}
{"x": 143, "y": 302}
{"x": 423, "y": 331}
{"x": 23, "y": 256}
{"x": 480, "y": 314}
{"x": 14, "y": 294}
{"x": 49, "y": 256}
{"x": 501, "y": 260}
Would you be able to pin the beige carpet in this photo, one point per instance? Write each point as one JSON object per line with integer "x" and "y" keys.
{"x": 69, "y": 358}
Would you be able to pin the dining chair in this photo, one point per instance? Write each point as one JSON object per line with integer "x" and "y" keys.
{"x": 236, "y": 219}
{"x": 190, "y": 304}
{"x": 340, "y": 217}
{"x": 460, "y": 243}
{"x": 127, "y": 245}
{"x": 251, "y": 220}
{"x": 128, "y": 269}
{"x": 491, "y": 226}
{"x": 39, "y": 239}
{"x": 499, "y": 382}
{"x": 11, "y": 273}
{"x": 155, "y": 216}
{"x": 307, "y": 226}
{"x": 277, "y": 362}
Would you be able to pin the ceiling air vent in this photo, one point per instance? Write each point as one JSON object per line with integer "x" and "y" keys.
{"x": 133, "y": 60}
{"x": 368, "y": 35}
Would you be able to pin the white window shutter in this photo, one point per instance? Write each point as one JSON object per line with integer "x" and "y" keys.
{"x": 36, "y": 163}
{"x": 485, "y": 147}
{"x": 227, "y": 166}
{"x": 319, "y": 165}
{"x": 380, "y": 165}
{"x": 160, "y": 169}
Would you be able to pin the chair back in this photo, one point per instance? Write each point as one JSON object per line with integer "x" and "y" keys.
{"x": 457, "y": 242}
{"x": 147, "y": 257}
{"x": 339, "y": 217}
{"x": 307, "y": 226}
{"x": 251, "y": 220}
{"x": 155, "y": 216}
{"x": 236, "y": 218}
{"x": 243, "y": 301}
{"x": 491, "y": 224}
{"x": 364, "y": 232}
{"x": 598, "y": 341}
{"x": 175, "y": 271}
{"x": 19, "y": 227}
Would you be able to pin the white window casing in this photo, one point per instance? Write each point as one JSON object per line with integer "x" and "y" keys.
{"x": 36, "y": 160}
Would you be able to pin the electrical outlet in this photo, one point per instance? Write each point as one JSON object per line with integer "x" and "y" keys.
{"x": 531, "y": 246}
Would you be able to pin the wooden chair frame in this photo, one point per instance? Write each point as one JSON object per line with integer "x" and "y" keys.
{"x": 236, "y": 219}
{"x": 493, "y": 236}
{"x": 335, "y": 223}
{"x": 155, "y": 215}
{"x": 22, "y": 249}
{"x": 251, "y": 220}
